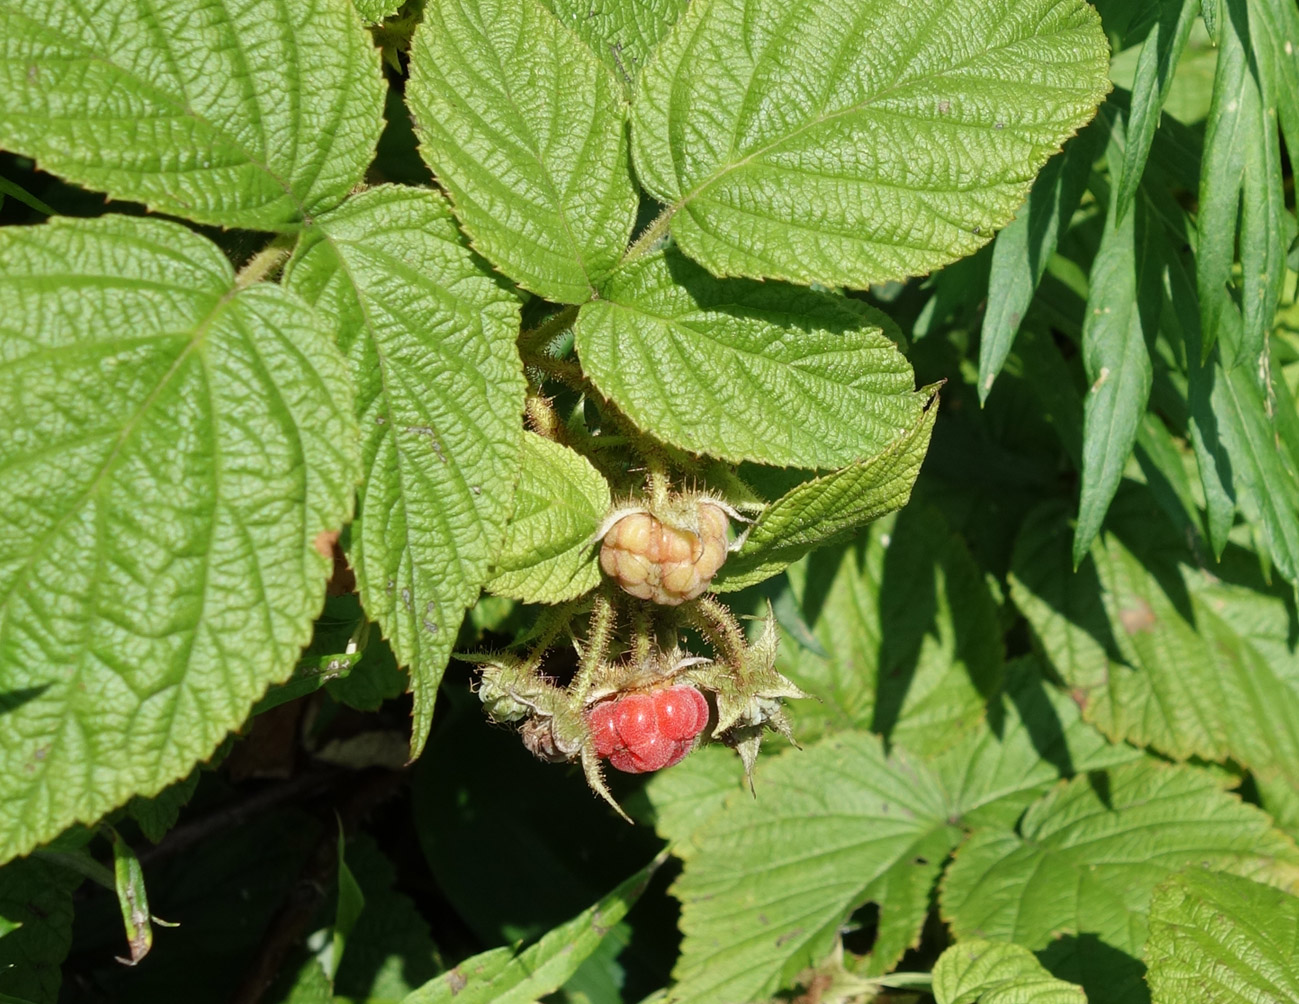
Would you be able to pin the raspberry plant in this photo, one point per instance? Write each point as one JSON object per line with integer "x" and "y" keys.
{"x": 576, "y": 362}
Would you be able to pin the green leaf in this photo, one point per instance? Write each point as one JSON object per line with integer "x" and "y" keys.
{"x": 847, "y": 142}
{"x": 1021, "y": 251}
{"x": 912, "y": 633}
{"x": 990, "y": 972}
{"x": 38, "y": 897}
{"x": 390, "y": 951}
{"x": 526, "y": 130}
{"x": 623, "y": 33}
{"x": 1265, "y": 479}
{"x": 347, "y": 911}
{"x": 17, "y": 192}
{"x": 157, "y": 815}
{"x": 769, "y": 881}
{"x": 1154, "y": 79}
{"x": 825, "y": 509}
{"x": 173, "y": 448}
{"x": 549, "y": 554}
{"x": 1123, "y": 304}
{"x": 1156, "y": 649}
{"x": 502, "y": 976}
{"x": 1074, "y": 881}
{"x": 1032, "y": 735}
{"x": 132, "y": 898}
{"x": 244, "y": 115}
{"x": 744, "y": 370}
{"x": 1218, "y": 937}
{"x": 1241, "y": 189}
{"x": 375, "y": 11}
{"x": 429, "y": 336}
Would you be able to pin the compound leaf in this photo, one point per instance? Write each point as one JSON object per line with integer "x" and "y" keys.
{"x": 1160, "y": 651}
{"x": 768, "y": 883}
{"x": 173, "y": 448}
{"x": 243, "y": 115}
{"x": 560, "y": 501}
{"x": 1074, "y": 880}
{"x": 743, "y": 370}
{"x": 527, "y": 132}
{"x": 996, "y": 972}
{"x": 848, "y": 142}
{"x": 1217, "y": 937}
{"x": 429, "y": 335}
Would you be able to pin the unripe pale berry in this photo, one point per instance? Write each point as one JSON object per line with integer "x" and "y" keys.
{"x": 666, "y": 564}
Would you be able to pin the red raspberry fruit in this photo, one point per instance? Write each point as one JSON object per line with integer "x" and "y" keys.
{"x": 638, "y": 733}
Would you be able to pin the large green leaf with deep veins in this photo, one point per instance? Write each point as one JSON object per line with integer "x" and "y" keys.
{"x": 429, "y": 335}
{"x": 549, "y": 554}
{"x": 852, "y": 141}
{"x": 172, "y": 448}
{"x": 622, "y": 33}
{"x": 745, "y": 370}
{"x": 242, "y": 114}
{"x": 1160, "y": 651}
{"x": 1074, "y": 879}
{"x": 768, "y": 882}
{"x": 995, "y": 972}
{"x": 1216, "y": 937}
{"x": 527, "y": 131}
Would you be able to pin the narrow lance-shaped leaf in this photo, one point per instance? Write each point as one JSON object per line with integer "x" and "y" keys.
{"x": 848, "y": 142}
{"x": 429, "y": 335}
{"x": 743, "y": 370}
{"x": 506, "y": 976}
{"x": 1123, "y": 303}
{"x": 1218, "y": 937}
{"x": 244, "y": 115}
{"x": 174, "y": 449}
{"x": 1240, "y": 188}
{"x": 830, "y": 507}
{"x": 1068, "y": 884}
{"x": 526, "y": 130}
{"x": 132, "y": 898}
{"x": 1154, "y": 77}
{"x": 1022, "y": 251}
{"x": 549, "y": 553}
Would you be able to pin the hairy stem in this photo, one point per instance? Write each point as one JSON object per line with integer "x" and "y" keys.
{"x": 715, "y": 620}
{"x": 533, "y": 341}
{"x": 599, "y": 635}
{"x": 650, "y": 236}
{"x": 264, "y": 262}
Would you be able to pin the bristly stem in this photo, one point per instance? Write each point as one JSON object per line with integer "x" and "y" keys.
{"x": 265, "y": 261}
{"x": 720, "y": 627}
{"x": 553, "y": 623}
{"x": 596, "y": 650}
{"x": 650, "y": 236}
{"x": 534, "y": 340}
